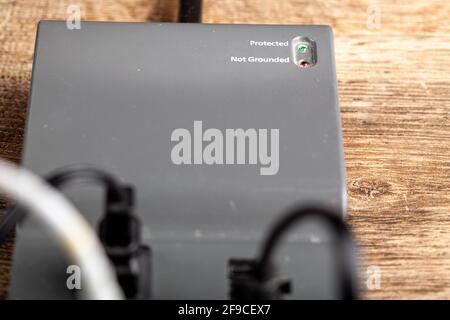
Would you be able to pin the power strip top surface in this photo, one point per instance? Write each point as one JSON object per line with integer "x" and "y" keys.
{"x": 125, "y": 96}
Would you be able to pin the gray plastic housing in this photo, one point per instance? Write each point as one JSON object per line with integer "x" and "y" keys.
{"x": 111, "y": 94}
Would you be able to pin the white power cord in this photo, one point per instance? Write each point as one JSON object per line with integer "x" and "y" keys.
{"x": 67, "y": 225}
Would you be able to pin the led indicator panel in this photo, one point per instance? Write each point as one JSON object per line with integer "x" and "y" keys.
{"x": 304, "y": 52}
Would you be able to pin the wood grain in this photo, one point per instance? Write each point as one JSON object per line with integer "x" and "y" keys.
{"x": 395, "y": 104}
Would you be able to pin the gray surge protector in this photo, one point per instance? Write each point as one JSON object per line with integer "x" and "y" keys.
{"x": 160, "y": 106}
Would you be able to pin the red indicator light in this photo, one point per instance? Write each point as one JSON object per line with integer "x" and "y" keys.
{"x": 303, "y": 64}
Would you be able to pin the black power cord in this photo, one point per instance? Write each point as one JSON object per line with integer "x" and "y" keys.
{"x": 9, "y": 220}
{"x": 119, "y": 228}
{"x": 257, "y": 279}
{"x": 190, "y": 11}
{"x": 83, "y": 173}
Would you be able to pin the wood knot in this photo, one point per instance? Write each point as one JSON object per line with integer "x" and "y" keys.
{"x": 370, "y": 187}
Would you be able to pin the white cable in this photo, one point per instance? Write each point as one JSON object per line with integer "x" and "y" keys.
{"x": 68, "y": 226}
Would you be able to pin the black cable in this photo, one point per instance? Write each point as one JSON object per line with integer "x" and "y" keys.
{"x": 9, "y": 220}
{"x": 58, "y": 179}
{"x": 190, "y": 11}
{"x": 256, "y": 279}
{"x": 344, "y": 246}
{"x": 83, "y": 173}
{"x": 119, "y": 228}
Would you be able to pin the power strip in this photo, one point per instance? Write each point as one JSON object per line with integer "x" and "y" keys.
{"x": 220, "y": 129}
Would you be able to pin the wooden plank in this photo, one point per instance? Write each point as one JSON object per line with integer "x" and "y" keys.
{"x": 394, "y": 88}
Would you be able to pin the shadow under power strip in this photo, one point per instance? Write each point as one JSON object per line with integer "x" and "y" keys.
{"x": 220, "y": 128}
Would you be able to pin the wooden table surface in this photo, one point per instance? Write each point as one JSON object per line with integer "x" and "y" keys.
{"x": 393, "y": 65}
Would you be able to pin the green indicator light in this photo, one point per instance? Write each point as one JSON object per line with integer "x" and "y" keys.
{"x": 302, "y": 48}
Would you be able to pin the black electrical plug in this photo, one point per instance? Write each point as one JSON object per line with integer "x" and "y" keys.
{"x": 257, "y": 279}
{"x": 120, "y": 233}
{"x": 119, "y": 228}
{"x": 247, "y": 282}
